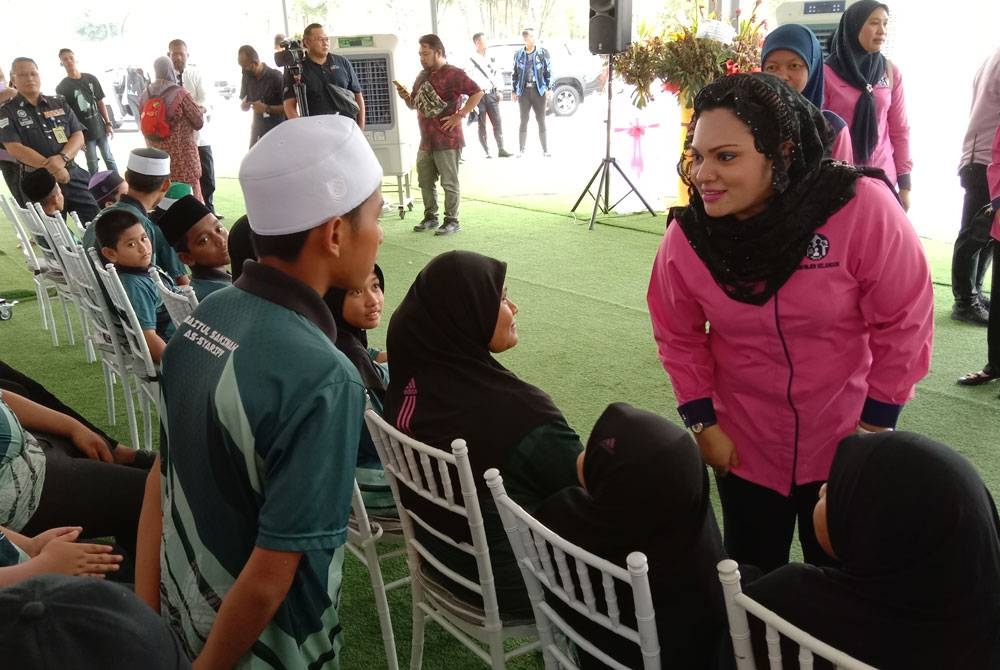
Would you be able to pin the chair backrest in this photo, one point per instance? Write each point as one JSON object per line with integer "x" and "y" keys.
{"x": 738, "y": 604}
{"x": 179, "y": 303}
{"x": 77, "y": 225}
{"x": 34, "y": 263}
{"x": 142, "y": 362}
{"x": 551, "y": 564}
{"x": 429, "y": 473}
{"x": 55, "y": 227}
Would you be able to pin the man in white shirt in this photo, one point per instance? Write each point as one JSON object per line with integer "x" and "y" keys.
{"x": 482, "y": 69}
{"x": 190, "y": 79}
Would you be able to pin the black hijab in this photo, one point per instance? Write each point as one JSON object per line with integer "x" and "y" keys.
{"x": 917, "y": 533}
{"x": 647, "y": 490}
{"x": 444, "y": 383}
{"x": 751, "y": 259}
{"x": 353, "y": 341}
{"x": 860, "y": 69}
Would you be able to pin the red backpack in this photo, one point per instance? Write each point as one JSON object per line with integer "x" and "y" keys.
{"x": 153, "y": 118}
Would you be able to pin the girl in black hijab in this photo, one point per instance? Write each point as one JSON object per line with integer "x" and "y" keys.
{"x": 866, "y": 90}
{"x": 916, "y": 532}
{"x": 644, "y": 488}
{"x": 355, "y": 312}
{"x": 445, "y": 384}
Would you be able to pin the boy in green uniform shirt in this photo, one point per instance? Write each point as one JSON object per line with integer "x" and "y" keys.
{"x": 122, "y": 240}
{"x": 243, "y": 524}
{"x": 200, "y": 241}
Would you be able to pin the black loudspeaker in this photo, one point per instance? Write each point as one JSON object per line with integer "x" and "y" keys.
{"x": 610, "y": 26}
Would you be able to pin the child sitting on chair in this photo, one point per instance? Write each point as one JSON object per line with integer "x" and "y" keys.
{"x": 357, "y": 311}
{"x": 122, "y": 241}
{"x": 41, "y": 187}
{"x": 200, "y": 241}
{"x": 107, "y": 188}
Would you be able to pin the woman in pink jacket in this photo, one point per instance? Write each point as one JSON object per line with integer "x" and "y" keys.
{"x": 866, "y": 89}
{"x": 792, "y": 305}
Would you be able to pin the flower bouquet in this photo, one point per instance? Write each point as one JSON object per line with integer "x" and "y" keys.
{"x": 692, "y": 55}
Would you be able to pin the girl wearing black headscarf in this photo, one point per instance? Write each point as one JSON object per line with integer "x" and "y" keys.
{"x": 445, "y": 384}
{"x": 863, "y": 87}
{"x": 819, "y": 301}
{"x": 644, "y": 488}
{"x": 916, "y": 532}
{"x": 356, "y": 312}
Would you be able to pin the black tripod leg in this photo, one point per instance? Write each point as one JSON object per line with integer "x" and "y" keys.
{"x": 605, "y": 182}
{"x": 586, "y": 189}
{"x": 632, "y": 188}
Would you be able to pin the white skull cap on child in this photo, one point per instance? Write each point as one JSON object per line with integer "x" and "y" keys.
{"x": 306, "y": 171}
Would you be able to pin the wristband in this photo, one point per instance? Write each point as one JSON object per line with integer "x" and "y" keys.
{"x": 66, "y": 158}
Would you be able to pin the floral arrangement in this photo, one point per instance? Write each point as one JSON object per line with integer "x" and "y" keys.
{"x": 692, "y": 55}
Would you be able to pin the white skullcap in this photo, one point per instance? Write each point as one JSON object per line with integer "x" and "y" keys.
{"x": 150, "y": 162}
{"x": 306, "y": 171}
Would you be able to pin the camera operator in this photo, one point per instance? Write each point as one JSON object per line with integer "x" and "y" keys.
{"x": 320, "y": 69}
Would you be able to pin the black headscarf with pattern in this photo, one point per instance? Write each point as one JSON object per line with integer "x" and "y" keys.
{"x": 862, "y": 70}
{"x": 750, "y": 259}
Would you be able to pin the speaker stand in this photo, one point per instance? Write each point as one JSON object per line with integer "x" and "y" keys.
{"x": 601, "y": 196}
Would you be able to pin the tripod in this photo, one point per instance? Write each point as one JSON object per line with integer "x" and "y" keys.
{"x": 604, "y": 169}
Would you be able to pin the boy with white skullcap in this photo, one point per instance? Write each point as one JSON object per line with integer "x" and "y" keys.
{"x": 148, "y": 178}
{"x": 262, "y": 417}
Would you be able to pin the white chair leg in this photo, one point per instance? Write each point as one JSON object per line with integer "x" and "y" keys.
{"x": 133, "y": 425}
{"x": 69, "y": 323}
{"x": 109, "y": 392}
{"x": 417, "y": 643}
{"x": 496, "y": 652}
{"x": 381, "y": 605}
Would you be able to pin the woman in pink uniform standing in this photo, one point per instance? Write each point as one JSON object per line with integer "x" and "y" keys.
{"x": 791, "y": 302}
{"x": 866, "y": 89}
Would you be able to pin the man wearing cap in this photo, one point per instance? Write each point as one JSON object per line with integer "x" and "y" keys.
{"x": 259, "y": 91}
{"x": 107, "y": 187}
{"x": 321, "y": 70}
{"x": 437, "y": 96}
{"x": 200, "y": 241}
{"x": 262, "y": 416}
{"x": 42, "y": 133}
{"x": 148, "y": 178}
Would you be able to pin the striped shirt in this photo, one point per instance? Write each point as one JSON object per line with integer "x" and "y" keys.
{"x": 22, "y": 471}
{"x": 261, "y": 421}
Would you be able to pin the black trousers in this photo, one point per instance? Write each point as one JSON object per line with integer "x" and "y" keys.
{"x": 530, "y": 100}
{"x": 759, "y": 523}
{"x": 490, "y": 106}
{"x": 103, "y": 498}
{"x": 77, "y": 196}
{"x": 207, "y": 176}
{"x": 12, "y": 175}
{"x": 971, "y": 258}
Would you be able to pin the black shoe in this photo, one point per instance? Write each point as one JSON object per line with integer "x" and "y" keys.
{"x": 984, "y": 301}
{"x": 448, "y": 228}
{"x": 429, "y": 223}
{"x": 504, "y": 154}
{"x": 546, "y": 154}
{"x": 970, "y": 312}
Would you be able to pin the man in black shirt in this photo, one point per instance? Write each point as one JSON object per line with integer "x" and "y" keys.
{"x": 260, "y": 91}
{"x": 319, "y": 69}
{"x": 42, "y": 133}
{"x": 85, "y": 96}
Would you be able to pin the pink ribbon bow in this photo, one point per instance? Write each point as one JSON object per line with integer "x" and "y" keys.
{"x": 636, "y": 130}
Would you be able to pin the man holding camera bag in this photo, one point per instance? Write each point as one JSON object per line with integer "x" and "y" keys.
{"x": 331, "y": 83}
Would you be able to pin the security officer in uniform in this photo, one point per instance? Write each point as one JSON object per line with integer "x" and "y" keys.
{"x": 42, "y": 133}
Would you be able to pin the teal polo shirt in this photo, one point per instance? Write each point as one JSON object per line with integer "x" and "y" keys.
{"x": 261, "y": 418}
{"x": 164, "y": 255}
{"x": 146, "y": 301}
{"x": 206, "y": 281}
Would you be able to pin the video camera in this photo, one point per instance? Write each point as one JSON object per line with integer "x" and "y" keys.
{"x": 291, "y": 54}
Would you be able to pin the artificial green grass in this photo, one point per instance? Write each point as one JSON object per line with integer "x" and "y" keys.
{"x": 585, "y": 339}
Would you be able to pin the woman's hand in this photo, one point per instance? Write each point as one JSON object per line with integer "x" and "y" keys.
{"x": 717, "y": 449}
{"x": 91, "y": 444}
{"x": 904, "y": 198}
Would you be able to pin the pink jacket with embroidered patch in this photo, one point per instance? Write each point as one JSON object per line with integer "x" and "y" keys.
{"x": 789, "y": 379}
{"x": 892, "y": 153}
